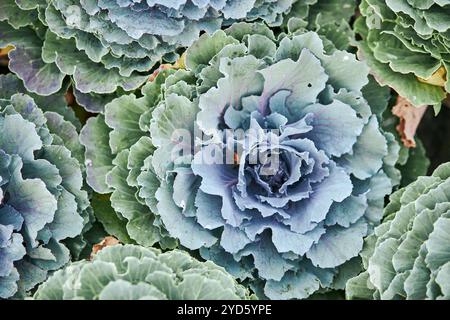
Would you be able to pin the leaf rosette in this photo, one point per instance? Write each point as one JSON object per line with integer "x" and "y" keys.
{"x": 291, "y": 231}
{"x": 135, "y": 273}
{"x": 408, "y": 256}
{"x": 43, "y": 207}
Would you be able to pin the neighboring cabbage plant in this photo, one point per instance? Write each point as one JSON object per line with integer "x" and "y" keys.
{"x": 408, "y": 256}
{"x": 329, "y": 18}
{"x": 407, "y": 45}
{"x": 106, "y": 45}
{"x": 290, "y": 233}
{"x": 43, "y": 208}
{"x": 135, "y": 273}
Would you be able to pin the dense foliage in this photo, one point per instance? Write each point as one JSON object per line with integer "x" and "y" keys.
{"x": 102, "y": 47}
{"x": 42, "y": 202}
{"x": 224, "y": 149}
{"x": 406, "y": 44}
{"x": 136, "y": 273}
{"x": 408, "y": 256}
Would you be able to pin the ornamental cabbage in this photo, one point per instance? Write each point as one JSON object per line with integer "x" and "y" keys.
{"x": 135, "y": 273}
{"x": 43, "y": 208}
{"x": 406, "y": 44}
{"x": 408, "y": 256}
{"x": 291, "y": 231}
{"x": 107, "y": 44}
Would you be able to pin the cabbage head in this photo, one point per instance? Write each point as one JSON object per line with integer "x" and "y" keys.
{"x": 291, "y": 230}
{"x": 135, "y": 273}
{"x": 407, "y": 45}
{"x": 408, "y": 256}
{"x": 43, "y": 207}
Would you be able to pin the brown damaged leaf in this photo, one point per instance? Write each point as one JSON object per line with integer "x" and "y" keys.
{"x": 70, "y": 98}
{"x": 107, "y": 242}
{"x": 410, "y": 118}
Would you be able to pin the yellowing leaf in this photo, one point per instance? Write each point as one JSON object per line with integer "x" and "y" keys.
{"x": 5, "y": 51}
{"x": 439, "y": 78}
